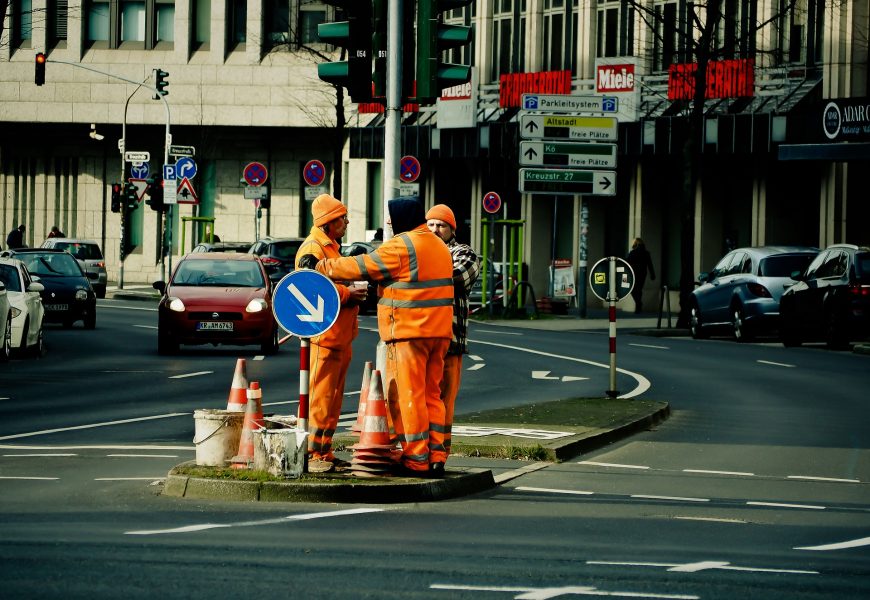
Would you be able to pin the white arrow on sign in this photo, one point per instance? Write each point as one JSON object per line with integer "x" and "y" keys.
{"x": 315, "y": 315}
{"x": 564, "y": 378}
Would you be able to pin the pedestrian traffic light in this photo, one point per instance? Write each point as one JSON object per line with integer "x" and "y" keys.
{"x": 39, "y": 77}
{"x": 131, "y": 196}
{"x": 379, "y": 48}
{"x": 160, "y": 83}
{"x": 355, "y": 36}
{"x": 155, "y": 194}
{"x": 117, "y": 193}
{"x": 433, "y": 37}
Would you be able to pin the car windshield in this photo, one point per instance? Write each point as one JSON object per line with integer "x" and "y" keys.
{"x": 51, "y": 265}
{"x": 9, "y": 278}
{"x": 785, "y": 265}
{"x": 81, "y": 251}
{"x": 285, "y": 249}
{"x": 862, "y": 265}
{"x": 224, "y": 273}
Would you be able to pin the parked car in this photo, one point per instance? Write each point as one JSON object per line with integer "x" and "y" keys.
{"x": 89, "y": 255}
{"x": 223, "y": 247}
{"x": 743, "y": 291}
{"x": 493, "y": 275}
{"x": 355, "y": 249}
{"x": 27, "y": 310}
{"x": 278, "y": 255}
{"x": 5, "y": 325}
{"x": 67, "y": 294}
{"x": 216, "y": 298}
{"x": 830, "y": 300}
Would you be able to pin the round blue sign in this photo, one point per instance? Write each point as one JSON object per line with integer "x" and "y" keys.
{"x": 140, "y": 171}
{"x": 409, "y": 169}
{"x": 185, "y": 168}
{"x": 306, "y": 303}
{"x": 314, "y": 172}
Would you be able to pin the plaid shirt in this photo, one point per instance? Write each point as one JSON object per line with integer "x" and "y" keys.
{"x": 466, "y": 268}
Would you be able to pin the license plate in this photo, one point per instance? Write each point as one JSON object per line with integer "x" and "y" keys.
{"x": 215, "y": 326}
{"x": 56, "y": 307}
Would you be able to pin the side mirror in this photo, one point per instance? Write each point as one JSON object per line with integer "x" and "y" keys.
{"x": 160, "y": 286}
{"x": 35, "y": 286}
{"x": 704, "y": 277}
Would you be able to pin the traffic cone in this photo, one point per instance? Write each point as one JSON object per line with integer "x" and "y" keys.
{"x": 363, "y": 395}
{"x": 374, "y": 454}
{"x": 238, "y": 399}
{"x": 253, "y": 420}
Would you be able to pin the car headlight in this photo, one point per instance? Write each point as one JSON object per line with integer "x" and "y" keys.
{"x": 81, "y": 294}
{"x": 176, "y": 304}
{"x": 256, "y": 305}
{"x": 15, "y": 312}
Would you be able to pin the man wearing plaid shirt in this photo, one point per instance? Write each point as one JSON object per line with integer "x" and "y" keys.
{"x": 466, "y": 268}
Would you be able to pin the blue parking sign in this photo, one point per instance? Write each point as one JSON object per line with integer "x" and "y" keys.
{"x": 169, "y": 172}
{"x": 306, "y": 303}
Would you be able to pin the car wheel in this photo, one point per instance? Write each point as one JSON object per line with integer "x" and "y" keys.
{"x": 166, "y": 344}
{"x": 741, "y": 330}
{"x": 788, "y": 334}
{"x": 695, "y": 325}
{"x": 91, "y": 320}
{"x": 38, "y": 349}
{"x": 270, "y": 346}
{"x": 6, "y": 348}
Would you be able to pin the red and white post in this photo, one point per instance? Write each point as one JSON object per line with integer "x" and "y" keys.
{"x": 612, "y": 298}
{"x": 304, "y": 350}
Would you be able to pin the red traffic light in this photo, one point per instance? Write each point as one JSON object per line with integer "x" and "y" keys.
{"x": 39, "y": 77}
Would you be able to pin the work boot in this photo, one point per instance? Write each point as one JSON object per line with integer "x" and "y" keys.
{"x": 436, "y": 470}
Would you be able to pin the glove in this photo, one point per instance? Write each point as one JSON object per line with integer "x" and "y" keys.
{"x": 308, "y": 261}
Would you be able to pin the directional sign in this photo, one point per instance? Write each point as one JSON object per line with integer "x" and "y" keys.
{"x": 562, "y": 103}
{"x": 140, "y": 170}
{"x": 491, "y": 202}
{"x": 255, "y": 173}
{"x": 568, "y": 154}
{"x": 185, "y": 168}
{"x": 186, "y": 193}
{"x": 598, "y": 129}
{"x": 566, "y": 182}
{"x": 137, "y": 157}
{"x": 409, "y": 169}
{"x": 306, "y": 303}
{"x": 182, "y": 150}
{"x": 141, "y": 186}
{"x": 600, "y": 280}
{"x": 314, "y": 172}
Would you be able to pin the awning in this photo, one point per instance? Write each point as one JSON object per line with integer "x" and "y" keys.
{"x": 841, "y": 152}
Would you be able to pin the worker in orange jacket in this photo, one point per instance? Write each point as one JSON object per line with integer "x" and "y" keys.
{"x": 330, "y": 351}
{"x": 415, "y": 315}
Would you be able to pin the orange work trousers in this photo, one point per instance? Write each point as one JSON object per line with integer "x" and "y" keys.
{"x": 414, "y": 370}
{"x": 449, "y": 391}
{"x": 328, "y": 370}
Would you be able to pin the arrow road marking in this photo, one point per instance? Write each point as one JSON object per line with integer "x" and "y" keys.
{"x": 315, "y": 315}
{"x": 566, "y": 378}
{"x": 543, "y": 375}
{"x": 841, "y": 546}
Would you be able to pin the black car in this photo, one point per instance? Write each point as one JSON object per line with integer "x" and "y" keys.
{"x": 68, "y": 295}
{"x": 831, "y": 299}
{"x": 278, "y": 255}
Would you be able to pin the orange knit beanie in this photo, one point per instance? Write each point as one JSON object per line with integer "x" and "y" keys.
{"x": 325, "y": 208}
{"x": 442, "y": 212}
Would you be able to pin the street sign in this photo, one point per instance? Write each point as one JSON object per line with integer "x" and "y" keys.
{"x": 140, "y": 170}
{"x": 255, "y": 173}
{"x": 314, "y": 172}
{"x": 170, "y": 190}
{"x": 568, "y": 154}
{"x": 312, "y": 192}
{"x": 599, "y": 279}
{"x": 566, "y": 182}
{"x": 599, "y": 129}
{"x": 563, "y": 103}
{"x": 186, "y": 193}
{"x": 409, "y": 189}
{"x": 491, "y": 202}
{"x": 168, "y": 172}
{"x": 182, "y": 150}
{"x": 185, "y": 168}
{"x": 409, "y": 169}
{"x": 256, "y": 192}
{"x": 306, "y": 303}
{"x": 137, "y": 157}
{"x": 141, "y": 186}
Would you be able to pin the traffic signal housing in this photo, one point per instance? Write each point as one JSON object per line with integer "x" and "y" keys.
{"x": 39, "y": 76}
{"x": 160, "y": 83}
{"x": 131, "y": 196}
{"x": 433, "y": 38}
{"x": 117, "y": 195}
{"x": 355, "y": 36}
{"x": 155, "y": 194}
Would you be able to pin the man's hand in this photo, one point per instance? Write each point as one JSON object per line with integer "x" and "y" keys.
{"x": 358, "y": 295}
{"x": 308, "y": 261}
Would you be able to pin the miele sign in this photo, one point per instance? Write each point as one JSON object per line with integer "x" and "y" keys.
{"x": 611, "y": 79}
{"x": 619, "y": 77}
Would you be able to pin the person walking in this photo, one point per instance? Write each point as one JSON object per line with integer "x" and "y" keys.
{"x": 56, "y": 232}
{"x": 15, "y": 239}
{"x": 331, "y": 351}
{"x": 415, "y": 315}
{"x": 641, "y": 263}
{"x": 466, "y": 267}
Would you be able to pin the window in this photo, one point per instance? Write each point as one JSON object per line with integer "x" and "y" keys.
{"x": 237, "y": 25}
{"x": 22, "y": 23}
{"x": 165, "y": 26}
{"x": 276, "y": 17}
{"x": 665, "y": 38}
{"x": 508, "y": 37}
{"x": 463, "y": 17}
{"x": 310, "y": 16}
{"x": 202, "y": 22}
{"x": 734, "y": 33}
{"x": 56, "y": 28}
{"x": 615, "y": 28}
{"x": 134, "y": 23}
{"x": 98, "y": 21}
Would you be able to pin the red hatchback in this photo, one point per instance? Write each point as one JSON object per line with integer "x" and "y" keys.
{"x": 216, "y": 298}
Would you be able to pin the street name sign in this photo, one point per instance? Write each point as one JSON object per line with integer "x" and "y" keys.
{"x": 563, "y": 103}
{"x": 306, "y": 303}
{"x": 568, "y": 154}
{"x": 598, "y": 129}
{"x": 137, "y": 157}
{"x": 181, "y": 150}
{"x": 567, "y": 182}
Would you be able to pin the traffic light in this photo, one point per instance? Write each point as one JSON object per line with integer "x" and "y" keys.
{"x": 379, "y": 48}
{"x": 355, "y": 35}
{"x": 131, "y": 196}
{"x": 117, "y": 192}
{"x": 155, "y": 194}
{"x": 433, "y": 37}
{"x": 160, "y": 83}
{"x": 39, "y": 77}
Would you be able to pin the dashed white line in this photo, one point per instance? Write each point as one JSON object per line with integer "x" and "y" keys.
{"x": 476, "y": 366}
{"x": 259, "y": 357}
{"x": 142, "y": 455}
{"x": 839, "y": 546}
{"x": 475, "y": 357}
{"x": 146, "y": 326}
{"x": 91, "y": 426}
{"x": 650, "y": 346}
{"x": 785, "y": 505}
{"x": 614, "y": 465}
{"x": 31, "y": 478}
{"x": 830, "y": 479}
{"x": 553, "y": 491}
{"x": 557, "y": 592}
{"x": 677, "y": 498}
{"x": 711, "y": 519}
{"x": 706, "y": 472}
{"x": 775, "y": 364}
{"x": 41, "y": 454}
{"x": 186, "y": 375}
{"x": 96, "y": 446}
{"x": 699, "y": 566}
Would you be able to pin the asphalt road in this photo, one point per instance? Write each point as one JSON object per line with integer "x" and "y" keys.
{"x": 755, "y": 487}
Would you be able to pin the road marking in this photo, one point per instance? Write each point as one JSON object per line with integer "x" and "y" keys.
{"x": 508, "y": 475}
{"x": 706, "y": 472}
{"x": 41, "y": 454}
{"x": 5, "y": 398}
{"x": 775, "y": 364}
{"x": 476, "y": 366}
{"x": 196, "y": 374}
{"x": 496, "y": 332}
{"x": 104, "y": 304}
{"x": 553, "y": 491}
{"x": 678, "y": 498}
{"x": 142, "y": 455}
{"x": 615, "y": 465}
{"x": 32, "y": 478}
{"x": 831, "y": 479}
{"x": 95, "y": 447}
{"x": 784, "y": 505}
{"x": 556, "y": 592}
{"x": 839, "y": 546}
{"x": 699, "y": 566}
{"x": 650, "y": 346}
{"x": 92, "y": 425}
{"x": 475, "y": 357}
{"x": 159, "y": 477}
{"x": 303, "y": 517}
{"x": 712, "y": 519}
{"x": 567, "y": 378}
{"x": 146, "y": 326}
{"x": 543, "y": 375}
{"x": 259, "y": 357}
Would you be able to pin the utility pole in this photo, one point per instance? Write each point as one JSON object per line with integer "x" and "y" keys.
{"x": 393, "y": 112}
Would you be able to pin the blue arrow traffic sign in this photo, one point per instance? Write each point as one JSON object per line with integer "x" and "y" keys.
{"x": 306, "y": 303}
{"x": 185, "y": 168}
{"x": 140, "y": 171}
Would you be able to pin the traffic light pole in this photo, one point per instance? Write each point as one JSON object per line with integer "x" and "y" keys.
{"x": 393, "y": 112}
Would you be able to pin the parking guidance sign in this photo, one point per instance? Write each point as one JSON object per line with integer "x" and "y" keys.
{"x": 306, "y": 303}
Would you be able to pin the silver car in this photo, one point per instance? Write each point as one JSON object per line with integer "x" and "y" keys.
{"x": 90, "y": 257}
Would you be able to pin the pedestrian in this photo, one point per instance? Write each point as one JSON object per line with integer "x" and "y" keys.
{"x": 210, "y": 236}
{"x": 378, "y": 237}
{"x": 415, "y": 313}
{"x": 466, "y": 267}
{"x": 331, "y": 351}
{"x": 641, "y": 263}
{"x": 15, "y": 239}
{"x": 56, "y": 232}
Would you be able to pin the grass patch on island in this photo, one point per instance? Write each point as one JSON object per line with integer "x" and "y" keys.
{"x": 594, "y": 413}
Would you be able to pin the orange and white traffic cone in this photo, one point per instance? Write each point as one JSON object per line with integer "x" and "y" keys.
{"x": 238, "y": 399}
{"x": 363, "y": 395}
{"x": 253, "y": 420}
{"x": 374, "y": 454}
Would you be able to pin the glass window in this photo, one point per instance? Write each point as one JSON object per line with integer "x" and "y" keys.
{"x": 665, "y": 42}
{"x": 830, "y": 266}
{"x": 508, "y": 39}
{"x": 202, "y": 21}
{"x": 276, "y": 18}
{"x": 165, "y": 30}
{"x": 309, "y": 18}
{"x": 237, "y": 16}
{"x": 615, "y": 28}
{"x": 9, "y": 278}
{"x": 57, "y": 23}
{"x": 132, "y": 21}
{"x": 98, "y": 21}
{"x": 554, "y": 35}
{"x": 22, "y": 22}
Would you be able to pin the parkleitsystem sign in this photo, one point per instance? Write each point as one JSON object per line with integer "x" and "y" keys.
{"x": 567, "y": 182}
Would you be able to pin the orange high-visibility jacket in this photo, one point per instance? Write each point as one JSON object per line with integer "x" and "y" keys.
{"x": 346, "y": 327}
{"x": 415, "y": 273}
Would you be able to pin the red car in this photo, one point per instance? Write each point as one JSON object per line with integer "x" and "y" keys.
{"x": 216, "y": 298}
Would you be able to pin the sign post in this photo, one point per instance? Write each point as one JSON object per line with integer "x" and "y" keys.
{"x": 612, "y": 279}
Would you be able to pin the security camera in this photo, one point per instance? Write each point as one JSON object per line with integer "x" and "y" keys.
{"x": 93, "y": 134}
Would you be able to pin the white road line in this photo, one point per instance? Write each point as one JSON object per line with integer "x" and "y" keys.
{"x": 706, "y": 472}
{"x": 508, "y": 475}
{"x": 831, "y": 479}
{"x": 614, "y": 465}
{"x": 302, "y": 517}
{"x": 784, "y": 505}
{"x": 678, "y": 498}
{"x": 557, "y": 592}
{"x": 356, "y": 393}
{"x": 108, "y": 305}
{"x": 95, "y": 447}
{"x": 775, "y": 364}
{"x": 712, "y": 520}
{"x": 146, "y": 326}
{"x": 92, "y": 425}
{"x": 160, "y": 477}
{"x": 476, "y": 366}
{"x": 839, "y": 546}
{"x": 650, "y": 346}
{"x": 698, "y": 566}
{"x": 32, "y": 478}
{"x": 475, "y": 357}
{"x": 553, "y": 491}
{"x": 5, "y": 398}
{"x": 41, "y": 454}
{"x": 185, "y": 375}
{"x": 142, "y": 455}
{"x": 259, "y": 357}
